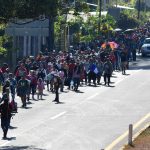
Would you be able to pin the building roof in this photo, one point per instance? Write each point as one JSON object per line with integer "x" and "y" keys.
{"x": 85, "y": 16}
{"x": 123, "y": 7}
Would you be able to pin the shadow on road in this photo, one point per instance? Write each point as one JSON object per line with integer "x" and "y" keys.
{"x": 78, "y": 91}
{"x": 29, "y": 103}
{"x": 20, "y": 148}
{"x": 141, "y": 63}
{"x": 112, "y": 86}
{"x": 113, "y": 76}
{"x": 9, "y": 139}
{"x": 11, "y": 127}
{"x": 127, "y": 74}
{"x": 60, "y": 103}
{"x": 143, "y": 67}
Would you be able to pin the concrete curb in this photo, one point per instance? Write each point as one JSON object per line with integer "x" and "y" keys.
{"x": 121, "y": 141}
{"x": 136, "y": 135}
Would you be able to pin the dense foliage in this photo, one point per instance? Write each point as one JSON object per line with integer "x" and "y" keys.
{"x": 57, "y": 11}
{"x": 127, "y": 22}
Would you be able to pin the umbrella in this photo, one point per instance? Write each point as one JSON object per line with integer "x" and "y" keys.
{"x": 113, "y": 45}
{"x": 117, "y": 30}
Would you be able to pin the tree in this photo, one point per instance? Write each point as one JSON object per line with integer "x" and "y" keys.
{"x": 35, "y": 8}
{"x": 5, "y": 41}
{"x": 32, "y": 9}
{"x": 125, "y": 21}
{"x": 6, "y": 10}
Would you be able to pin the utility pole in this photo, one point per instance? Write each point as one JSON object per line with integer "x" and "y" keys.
{"x": 139, "y": 8}
{"x": 100, "y": 9}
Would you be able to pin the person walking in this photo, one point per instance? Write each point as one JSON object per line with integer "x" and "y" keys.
{"x": 20, "y": 71}
{"x": 91, "y": 73}
{"x": 57, "y": 83}
{"x": 13, "y": 84}
{"x": 100, "y": 71}
{"x": 40, "y": 88}
{"x": 124, "y": 60}
{"x": 5, "y": 110}
{"x": 33, "y": 83}
{"x": 108, "y": 69}
{"x": 22, "y": 89}
{"x": 76, "y": 76}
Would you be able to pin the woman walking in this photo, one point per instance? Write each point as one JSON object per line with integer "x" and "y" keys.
{"x": 5, "y": 110}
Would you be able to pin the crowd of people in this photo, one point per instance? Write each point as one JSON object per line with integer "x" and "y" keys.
{"x": 52, "y": 71}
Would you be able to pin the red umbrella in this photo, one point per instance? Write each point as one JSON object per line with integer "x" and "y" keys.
{"x": 113, "y": 45}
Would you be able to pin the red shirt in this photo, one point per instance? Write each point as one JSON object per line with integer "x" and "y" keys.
{"x": 112, "y": 58}
{"x": 21, "y": 71}
{"x": 71, "y": 67}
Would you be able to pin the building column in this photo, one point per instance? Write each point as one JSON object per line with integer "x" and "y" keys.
{"x": 39, "y": 43}
{"x": 25, "y": 46}
{"x": 43, "y": 40}
{"x": 34, "y": 46}
{"x": 14, "y": 54}
{"x": 29, "y": 45}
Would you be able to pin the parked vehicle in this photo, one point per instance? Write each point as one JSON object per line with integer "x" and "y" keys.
{"x": 145, "y": 49}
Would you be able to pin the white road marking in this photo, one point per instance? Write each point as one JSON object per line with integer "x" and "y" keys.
{"x": 52, "y": 118}
{"x": 91, "y": 97}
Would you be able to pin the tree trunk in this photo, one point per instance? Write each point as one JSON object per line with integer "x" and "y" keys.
{"x": 51, "y": 34}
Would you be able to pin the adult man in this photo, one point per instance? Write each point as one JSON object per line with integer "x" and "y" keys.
{"x": 57, "y": 82}
{"x": 22, "y": 89}
{"x": 76, "y": 76}
{"x": 108, "y": 69}
{"x": 20, "y": 72}
{"x": 124, "y": 60}
{"x": 91, "y": 73}
{"x": 13, "y": 84}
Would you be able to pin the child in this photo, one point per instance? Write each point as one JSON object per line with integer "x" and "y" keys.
{"x": 33, "y": 83}
{"x": 48, "y": 80}
{"x": 40, "y": 88}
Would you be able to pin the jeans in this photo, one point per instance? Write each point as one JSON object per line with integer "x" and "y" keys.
{"x": 76, "y": 82}
{"x": 92, "y": 76}
{"x": 5, "y": 122}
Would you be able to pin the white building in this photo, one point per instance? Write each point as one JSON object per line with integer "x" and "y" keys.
{"x": 147, "y": 2}
{"x": 28, "y": 36}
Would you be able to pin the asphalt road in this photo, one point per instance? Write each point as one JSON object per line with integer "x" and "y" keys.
{"x": 88, "y": 120}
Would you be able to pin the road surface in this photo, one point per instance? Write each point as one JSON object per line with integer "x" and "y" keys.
{"x": 88, "y": 120}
